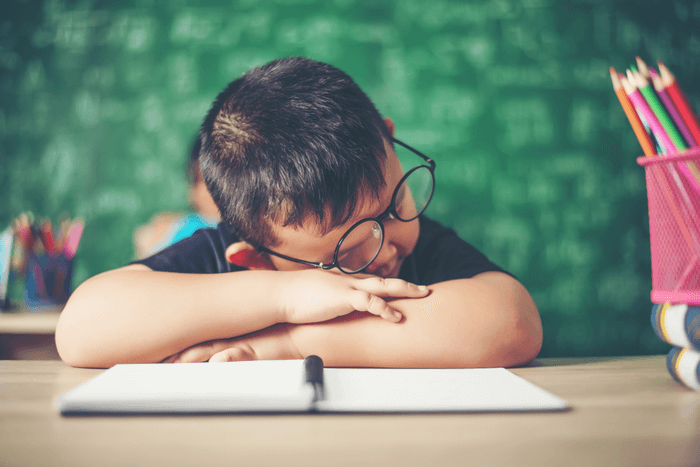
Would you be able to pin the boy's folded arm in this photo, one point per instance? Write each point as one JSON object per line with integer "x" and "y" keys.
{"x": 134, "y": 314}
{"x": 486, "y": 321}
{"x": 489, "y": 320}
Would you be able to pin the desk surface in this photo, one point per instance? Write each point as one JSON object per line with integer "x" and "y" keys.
{"x": 25, "y": 322}
{"x": 625, "y": 411}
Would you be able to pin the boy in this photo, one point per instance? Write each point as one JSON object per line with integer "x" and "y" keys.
{"x": 320, "y": 250}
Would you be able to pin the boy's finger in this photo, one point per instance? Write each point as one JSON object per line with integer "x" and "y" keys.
{"x": 199, "y": 353}
{"x": 192, "y": 355}
{"x": 376, "y": 305}
{"x": 223, "y": 356}
{"x": 233, "y": 354}
{"x": 388, "y": 287}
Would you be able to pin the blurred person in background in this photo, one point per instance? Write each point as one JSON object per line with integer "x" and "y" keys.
{"x": 166, "y": 228}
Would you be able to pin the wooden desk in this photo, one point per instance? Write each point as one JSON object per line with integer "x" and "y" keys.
{"x": 26, "y": 335}
{"x": 626, "y": 412}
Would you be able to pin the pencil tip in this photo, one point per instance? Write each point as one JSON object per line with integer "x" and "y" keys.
{"x": 666, "y": 75}
{"x": 639, "y": 79}
{"x": 615, "y": 78}
{"x": 643, "y": 68}
{"x": 626, "y": 85}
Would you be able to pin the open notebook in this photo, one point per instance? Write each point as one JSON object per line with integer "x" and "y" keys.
{"x": 301, "y": 386}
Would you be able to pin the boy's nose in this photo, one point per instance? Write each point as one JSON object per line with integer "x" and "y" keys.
{"x": 385, "y": 262}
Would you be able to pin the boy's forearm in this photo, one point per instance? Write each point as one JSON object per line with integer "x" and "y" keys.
{"x": 486, "y": 321}
{"x": 137, "y": 315}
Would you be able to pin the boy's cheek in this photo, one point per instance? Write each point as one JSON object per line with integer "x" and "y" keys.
{"x": 407, "y": 237}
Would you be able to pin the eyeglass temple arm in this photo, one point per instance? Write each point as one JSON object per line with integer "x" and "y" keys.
{"x": 296, "y": 260}
{"x": 427, "y": 159}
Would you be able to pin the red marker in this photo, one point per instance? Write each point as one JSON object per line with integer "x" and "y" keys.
{"x": 73, "y": 238}
{"x": 47, "y": 237}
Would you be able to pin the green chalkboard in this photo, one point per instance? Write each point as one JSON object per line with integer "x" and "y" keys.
{"x": 100, "y": 101}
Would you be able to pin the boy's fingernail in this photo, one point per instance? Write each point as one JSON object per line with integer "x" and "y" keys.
{"x": 397, "y": 314}
{"x": 422, "y": 287}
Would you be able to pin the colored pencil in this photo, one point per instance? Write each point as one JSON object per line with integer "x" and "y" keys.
{"x": 689, "y": 169}
{"x": 642, "y": 135}
{"x": 643, "y": 108}
{"x": 668, "y": 132}
{"x": 680, "y": 100}
{"x": 664, "y": 119}
{"x": 629, "y": 95}
{"x": 657, "y": 107}
{"x": 659, "y": 148}
{"x": 643, "y": 68}
{"x": 671, "y": 108}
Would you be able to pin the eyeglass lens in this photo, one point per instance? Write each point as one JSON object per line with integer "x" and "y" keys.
{"x": 414, "y": 193}
{"x": 361, "y": 244}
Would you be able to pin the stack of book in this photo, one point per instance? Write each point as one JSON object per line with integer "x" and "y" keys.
{"x": 679, "y": 325}
{"x": 665, "y": 125}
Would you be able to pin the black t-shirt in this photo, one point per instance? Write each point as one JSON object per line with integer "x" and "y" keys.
{"x": 440, "y": 255}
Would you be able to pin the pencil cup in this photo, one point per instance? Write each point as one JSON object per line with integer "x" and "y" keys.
{"x": 48, "y": 280}
{"x": 674, "y": 226}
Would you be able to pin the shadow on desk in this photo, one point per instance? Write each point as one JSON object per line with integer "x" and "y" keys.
{"x": 28, "y": 347}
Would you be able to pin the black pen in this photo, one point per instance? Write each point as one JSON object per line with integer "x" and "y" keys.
{"x": 313, "y": 367}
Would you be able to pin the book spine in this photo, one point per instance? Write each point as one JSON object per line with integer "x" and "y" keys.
{"x": 678, "y": 325}
{"x": 684, "y": 365}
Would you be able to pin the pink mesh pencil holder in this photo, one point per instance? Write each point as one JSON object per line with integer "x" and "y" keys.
{"x": 673, "y": 190}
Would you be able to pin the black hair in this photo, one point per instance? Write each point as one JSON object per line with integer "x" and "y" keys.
{"x": 291, "y": 141}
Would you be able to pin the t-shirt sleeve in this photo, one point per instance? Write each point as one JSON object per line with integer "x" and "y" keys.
{"x": 204, "y": 252}
{"x": 440, "y": 255}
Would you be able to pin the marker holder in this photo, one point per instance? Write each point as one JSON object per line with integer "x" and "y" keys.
{"x": 48, "y": 280}
{"x": 674, "y": 226}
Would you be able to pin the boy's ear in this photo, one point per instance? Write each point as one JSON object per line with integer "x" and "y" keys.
{"x": 390, "y": 125}
{"x": 245, "y": 255}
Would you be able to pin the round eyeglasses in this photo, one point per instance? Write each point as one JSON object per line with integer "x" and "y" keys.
{"x": 362, "y": 242}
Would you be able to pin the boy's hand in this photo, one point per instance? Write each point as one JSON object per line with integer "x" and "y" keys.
{"x": 206, "y": 350}
{"x": 273, "y": 343}
{"x": 313, "y": 296}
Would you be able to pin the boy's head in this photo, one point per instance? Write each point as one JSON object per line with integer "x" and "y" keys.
{"x": 292, "y": 143}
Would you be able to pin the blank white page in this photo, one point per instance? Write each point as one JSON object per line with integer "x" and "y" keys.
{"x": 193, "y": 387}
{"x": 432, "y": 390}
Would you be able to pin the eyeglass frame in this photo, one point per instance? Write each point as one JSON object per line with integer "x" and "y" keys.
{"x": 390, "y": 212}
